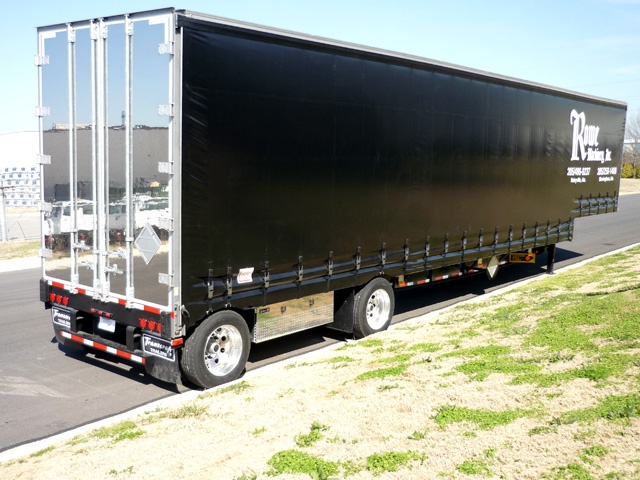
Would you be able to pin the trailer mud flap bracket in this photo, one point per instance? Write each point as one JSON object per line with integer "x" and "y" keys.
{"x": 64, "y": 318}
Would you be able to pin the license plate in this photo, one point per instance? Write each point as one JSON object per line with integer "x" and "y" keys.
{"x": 107, "y": 324}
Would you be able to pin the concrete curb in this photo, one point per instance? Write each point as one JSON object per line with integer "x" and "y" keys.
{"x": 16, "y": 264}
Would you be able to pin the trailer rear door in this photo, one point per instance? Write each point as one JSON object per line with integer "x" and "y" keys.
{"x": 106, "y": 123}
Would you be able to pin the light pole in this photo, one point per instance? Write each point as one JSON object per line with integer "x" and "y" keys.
{"x": 3, "y": 218}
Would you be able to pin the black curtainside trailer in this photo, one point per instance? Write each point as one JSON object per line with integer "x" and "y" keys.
{"x": 208, "y": 183}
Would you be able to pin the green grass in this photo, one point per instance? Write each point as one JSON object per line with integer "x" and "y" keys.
{"x": 601, "y": 368}
{"x": 613, "y": 407}
{"x": 380, "y": 373}
{"x": 396, "y": 346}
{"x": 126, "y": 430}
{"x": 601, "y": 326}
{"x": 484, "y": 419}
{"x": 492, "y": 359}
{"x": 237, "y": 388}
{"x": 418, "y": 435}
{"x": 481, "y": 368}
{"x": 478, "y": 465}
{"x": 612, "y": 316}
{"x": 573, "y": 471}
{"x": 379, "y": 463}
{"x": 624, "y": 328}
{"x": 384, "y": 388}
{"x": 400, "y": 358}
{"x": 595, "y": 452}
{"x": 126, "y": 471}
{"x": 188, "y": 410}
{"x": 481, "y": 351}
{"x": 341, "y": 359}
{"x": 42, "y": 452}
{"x": 557, "y": 334}
{"x": 605, "y": 366}
{"x": 505, "y": 318}
{"x": 308, "y": 439}
{"x": 370, "y": 343}
{"x": 77, "y": 440}
{"x": 295, "y": 461}
{"x": 543, "y": 430}
{"x": 248, "y": 476}
{"x": 426, "y": 347}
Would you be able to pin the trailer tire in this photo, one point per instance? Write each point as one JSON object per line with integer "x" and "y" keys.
{"x": 373, "y": 308}
{"x": 217, "y": 351}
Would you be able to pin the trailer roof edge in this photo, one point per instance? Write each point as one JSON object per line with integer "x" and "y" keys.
{"x": 350, "y": 46}
{"x": 142, "y": 13}
{"x": 391, "y": 53}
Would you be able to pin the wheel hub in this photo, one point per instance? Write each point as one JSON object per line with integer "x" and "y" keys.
{"x": 223, "y": 350}
{"x": 378, "y": 309}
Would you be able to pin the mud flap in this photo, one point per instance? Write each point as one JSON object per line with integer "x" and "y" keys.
{"x": 343, "y": 310}
{"x": 163, "y": 369}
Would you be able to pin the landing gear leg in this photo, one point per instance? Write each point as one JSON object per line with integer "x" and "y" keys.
{"x": 551, "y": 258}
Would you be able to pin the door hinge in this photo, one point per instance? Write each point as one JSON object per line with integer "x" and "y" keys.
{"x": 113, "y": 269}
{"x": 165, "y": 167}
{"x": 45, "y": 253}
{"x": 82, "y": 245}
{"x": 165, "y": 110}
{"x": 165, "y": 48}
{"x": 43, "y": 111}
{"x": 128, "y": 25}
{"x": 40, "y": 60}
{"x": 166, "y": 224}
{"x": 44, "y": 159}
{"x": 45, "y": 207}
{"x": 165, "y": 279}
{"x": 95, "y": 31}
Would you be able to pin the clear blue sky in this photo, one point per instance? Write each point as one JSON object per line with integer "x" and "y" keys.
{"x": 591, "y": 46}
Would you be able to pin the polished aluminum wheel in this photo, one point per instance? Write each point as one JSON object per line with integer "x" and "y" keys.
{"x": 378, "y": 309}
{"x": 223, "y": 350}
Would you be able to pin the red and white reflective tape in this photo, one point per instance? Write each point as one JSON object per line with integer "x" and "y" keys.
{"x": 102, "y": 347}
{"x": 112, "y": 299}
{"x": 411, "y": 284}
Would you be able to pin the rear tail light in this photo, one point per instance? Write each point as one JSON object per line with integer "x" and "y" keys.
{"x": 59, "y": 299}
{"x": 150, "y": 325}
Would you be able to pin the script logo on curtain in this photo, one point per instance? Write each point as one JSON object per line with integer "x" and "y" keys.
{"x": 585, "y": 148}
{"x": 585, "y": 140}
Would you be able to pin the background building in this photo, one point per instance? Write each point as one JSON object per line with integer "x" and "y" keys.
{"x": 19, "y": 172}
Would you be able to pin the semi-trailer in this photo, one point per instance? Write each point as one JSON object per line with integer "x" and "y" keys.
{"x": 207, "y": 184}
